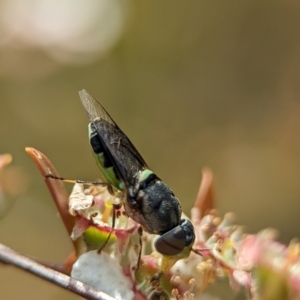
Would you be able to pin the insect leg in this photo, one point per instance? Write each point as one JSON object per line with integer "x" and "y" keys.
{"x": 140, "y": 232}
{"x": 155, "y": 279}
{"x": 115, "y": 207}
{"x": 87, "y": 182}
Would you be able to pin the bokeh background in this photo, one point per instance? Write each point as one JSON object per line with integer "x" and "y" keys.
{"x": 193, "y": 84}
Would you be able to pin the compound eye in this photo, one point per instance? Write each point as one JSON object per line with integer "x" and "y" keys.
{"x": 171, "y": 242}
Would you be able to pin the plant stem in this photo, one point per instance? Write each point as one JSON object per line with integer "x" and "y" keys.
{"x": 8, "y": 256}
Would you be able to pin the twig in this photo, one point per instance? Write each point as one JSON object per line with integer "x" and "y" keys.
{"x": 8, "y": 256}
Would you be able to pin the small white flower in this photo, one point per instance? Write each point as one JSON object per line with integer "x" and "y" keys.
{"x": 103, "y": 273}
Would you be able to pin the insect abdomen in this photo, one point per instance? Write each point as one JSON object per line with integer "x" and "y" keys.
{"x": 102, "y": 159}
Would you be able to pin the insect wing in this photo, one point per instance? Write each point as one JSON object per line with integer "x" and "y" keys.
{"x": 94, "y": 109}
{"x": 125, "y": 158}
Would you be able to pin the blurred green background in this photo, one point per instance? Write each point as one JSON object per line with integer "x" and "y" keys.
{"x": 193, "y": 84}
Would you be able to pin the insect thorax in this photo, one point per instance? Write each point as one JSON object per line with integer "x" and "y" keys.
{"x": 153, "y": 204}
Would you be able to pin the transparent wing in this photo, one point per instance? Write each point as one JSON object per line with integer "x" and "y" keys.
{"x": 94, "y": 109}
{"x": 126, "y": 159}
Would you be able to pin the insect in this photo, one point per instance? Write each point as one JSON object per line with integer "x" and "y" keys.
{"x": 147, "y": 199}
